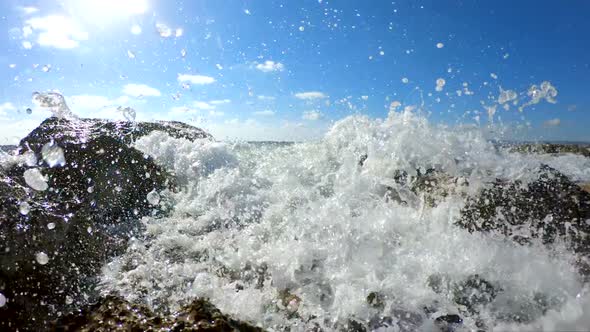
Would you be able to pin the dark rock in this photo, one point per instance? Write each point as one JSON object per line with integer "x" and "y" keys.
{"x": 376, "y": 300}
{"x": 114, "y": 314}
{"x": 91, "y": 208}
{"x": 551, "y": 148}
{"x": 448, "y": 323}
{"x": 474, "y": 293}
{"x": 550, "y": 207}
{"x": 78, "y": 131}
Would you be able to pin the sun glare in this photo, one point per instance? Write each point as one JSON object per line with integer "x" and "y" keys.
{"x": 101, "y": 12}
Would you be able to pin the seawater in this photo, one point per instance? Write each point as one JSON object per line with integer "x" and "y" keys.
{"x": 298, "y": 235}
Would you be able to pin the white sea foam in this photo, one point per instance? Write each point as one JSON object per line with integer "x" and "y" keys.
{"x": 316, "y": 223}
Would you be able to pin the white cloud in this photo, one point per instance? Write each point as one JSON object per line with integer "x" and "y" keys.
{"x": 219, "y": 102}
{"x": 262, "y": 97}
{"x": 203, "y": 105}
{"x": 311, "y": 115}
{"x": 275, "y": 130}
{"x": 309, "y": 95}
{"x": 5, "y": 108}
{"x": 55, "y": 31}
{"x": 216, "y": 113}
{"x": 178, "y": 111}
{"x": 140, "y": 90}
{"x": 270, "y": 66}
{"x": 552, "y": 123}
{"x": 264, "y": 113}
{"x": 195, "y": 79}
{"x": 28, "y": 10}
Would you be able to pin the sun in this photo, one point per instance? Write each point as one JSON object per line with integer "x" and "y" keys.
{"x": 104, "y": 12}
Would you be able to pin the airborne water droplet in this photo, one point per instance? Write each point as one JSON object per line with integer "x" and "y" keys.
{"x": 46, "y": 68}
{"x": 183, "y": 52}
{"x": 163, "y": 30}
{"x": 29, "y": 111}
{"x": 153, "y": 197}
{"x": 130, "y": 54}
{"x": 42, "y": 258}
{"x": 440, "y": 83}
{"x": 51, "y": 225}
{"x": 24, "y": 208}
{"x": 35, "y": 179}
{"x": 2, "y": 300}
{"x": 53, "y": 155}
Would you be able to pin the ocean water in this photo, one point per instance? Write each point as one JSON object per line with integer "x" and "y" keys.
{"x": 296, "y": 236}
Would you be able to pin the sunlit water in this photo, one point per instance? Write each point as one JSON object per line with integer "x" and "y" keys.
{"x": 253, "y": 220}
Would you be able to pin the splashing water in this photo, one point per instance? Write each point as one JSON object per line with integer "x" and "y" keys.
{"x": 301, "y": 235}
{"x": 35, "y": 179}
{"x": 53, "y": 155}
{"x": 128, "y": 113}
{"x": 55, "y": 102}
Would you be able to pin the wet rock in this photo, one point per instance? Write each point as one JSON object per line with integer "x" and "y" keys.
{"x": 551, "y": 148}
{"x": 115, "y": 314}
{"x": 448, "y": 323}
{"x": 549, "y": 208}
{"x": 96, "y": 192}
{"x": 474, "y": 293}
{"x": 376, "y": 300}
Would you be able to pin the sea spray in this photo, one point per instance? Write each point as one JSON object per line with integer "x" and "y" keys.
{"x": 300, "y": 235}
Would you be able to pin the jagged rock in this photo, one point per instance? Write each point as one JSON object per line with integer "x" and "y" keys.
{"x": 551, "y": 148}
{"x": 376, "y": 300}
{"x": 473, "y": 293}
{"x": 550, "y": 207}
{"x": 115, "y": 314}
{"x": 93, "y": 192}
{"x": 448, "y": 323}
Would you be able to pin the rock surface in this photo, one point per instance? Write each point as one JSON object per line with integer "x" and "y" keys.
{"x": 114, "y": 314}
{"x": 550, "y": 208}
{"x": 68, "y": 207}
{"x": 551, "y": 148}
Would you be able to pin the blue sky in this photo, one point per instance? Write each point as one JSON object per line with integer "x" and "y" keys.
{"x": 285, "y": 70}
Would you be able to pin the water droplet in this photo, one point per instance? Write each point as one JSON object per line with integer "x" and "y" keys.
{"x": 405, "y": 80}
{"x": 136, "y": 29}
{"x": 247, "y": 12}
{"x": 29, "y": 111}
{"x": 494, "y": 76}
{"x": 2, "y": 300}
{"x": 69, "y": 299}
{"x": 381, "y": 53}
{"x": 35, "y": 179}
{"x": 153, "y": 197}
{"x": 130, "y": 54}
{"x": 51, "y": 225}
{"x": 12, "y": 65}
{"x": 118, "y": 189}
{"x": 42, "y": 258}
{"x": 24, "y": 208}
{"x": 220, "y": 67}
{"x": 89, "y": 230}
{"x": 46, "y": 68}
{"x": 302, "y": 28}
{"x": 179, "y": 32}
{"x": 440, "y": 83}
{"x": 128, "y": 113}
{"x": 53, "y": 155}
{"x": 440, "y": 45}
{"x": 183, "y": 52}
{"x": 163, "y": 30}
